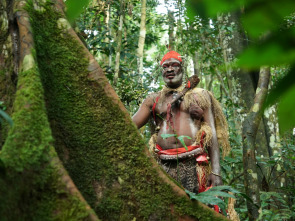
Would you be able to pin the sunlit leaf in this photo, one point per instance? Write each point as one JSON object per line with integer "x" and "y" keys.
{"x": 165, "y": 136}
{"x": 74, "y": 8}
{"x": 181, "y": 139}
{"x": 286, "y": 113}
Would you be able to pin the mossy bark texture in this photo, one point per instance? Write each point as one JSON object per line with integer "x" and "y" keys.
{"x": 250, "y": 127}
{"x": 65, "y": 104}
{"x": 247, "y": 83}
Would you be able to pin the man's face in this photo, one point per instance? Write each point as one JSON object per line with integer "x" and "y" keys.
{"x": 172, "y": 73}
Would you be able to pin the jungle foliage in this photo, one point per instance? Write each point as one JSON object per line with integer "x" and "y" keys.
{"x": 200, "y": 33}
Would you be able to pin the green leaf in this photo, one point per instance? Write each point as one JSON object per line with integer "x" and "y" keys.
{"x": 6, "y": 117}
{"x": 266, "y": 15}
{"x": 207, "y": 199}
{"x": 286, "y": 113}
{"x": 181, "y": 139}
{"x": 225, "y": 188}
{"x": 284, "y": 85}
{"x": 274, "y": 50}
{"x": 75, "y": 8}
{"x": 195, "y": 8}
{"x": 165, "y": 136}
{"x": 210, "y": 8}
{"x": 284, "y": 92}
{"x": 217, "y": 193}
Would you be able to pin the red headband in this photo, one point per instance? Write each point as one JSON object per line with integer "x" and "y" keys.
{"x": 171, "y": 54}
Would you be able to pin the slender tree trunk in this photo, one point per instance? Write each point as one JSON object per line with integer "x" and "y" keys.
{"x": 110, "y": 33}
{"x": 222, "y": 85}
{"x": 141, "y": 38}
{"x": 250, "y": 128}
{"x": 119, "y": 41}
{"x": 228, "y": 69}
{"x": 243, "y": 88}
{"x": 179, "y": 46}
{"x": 196, "y": 65}
{"x": 171, "y": 21}
{"x": 107, "y": 39}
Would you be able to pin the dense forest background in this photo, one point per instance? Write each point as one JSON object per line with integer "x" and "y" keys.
{"x": 229, "y": 49}
{"x": 244, "y": 52}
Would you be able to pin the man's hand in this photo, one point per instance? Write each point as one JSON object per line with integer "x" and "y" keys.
{"x": 196, "y": 112}
{"x": 214, "y": 180}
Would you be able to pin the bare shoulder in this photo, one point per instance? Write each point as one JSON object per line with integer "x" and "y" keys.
{"x": 203, "y": 97}
{"x": 202, "y": 92}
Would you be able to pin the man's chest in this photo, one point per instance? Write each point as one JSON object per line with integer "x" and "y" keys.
{"x": 163, "y": 105}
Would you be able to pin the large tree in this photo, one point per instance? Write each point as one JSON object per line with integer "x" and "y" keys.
{"x": 72, "y": 138}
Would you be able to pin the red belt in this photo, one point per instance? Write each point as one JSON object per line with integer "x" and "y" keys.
{"x": 176, "y": 150}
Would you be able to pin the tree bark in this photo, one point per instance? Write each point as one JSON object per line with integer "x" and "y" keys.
{"x": 244, "y": 86}
{"x": 110, "y": 33}
{"x": 64, "y": 103}
{"x": 250, "y": 128}
{"x": 119, "y": 41}
{"x": 171, "y": 21}
{"x": 141, "y": 39}
{"x": 32, "y": 169}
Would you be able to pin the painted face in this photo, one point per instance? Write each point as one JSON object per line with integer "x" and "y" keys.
{"x": 172, "y": 73}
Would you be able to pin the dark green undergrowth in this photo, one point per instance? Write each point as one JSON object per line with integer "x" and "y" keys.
{"x": 101, "y": 150}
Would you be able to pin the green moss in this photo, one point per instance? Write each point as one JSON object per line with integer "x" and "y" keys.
{"x": 30, "y": 134}
{"x": 101, "y": 151}
{"x": 31, "y": 187}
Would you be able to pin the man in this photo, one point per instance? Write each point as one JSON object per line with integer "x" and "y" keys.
{"x": 186, "y": 131}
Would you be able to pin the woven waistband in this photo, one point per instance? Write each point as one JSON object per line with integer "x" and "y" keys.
{"x": 179, "y": 153}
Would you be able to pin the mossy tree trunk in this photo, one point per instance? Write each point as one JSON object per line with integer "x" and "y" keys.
{"x": 244, "y": 87}
{"x": 250, "y": 127}
{"x": 73, "y": 139}
{"x": 34, "y": 184}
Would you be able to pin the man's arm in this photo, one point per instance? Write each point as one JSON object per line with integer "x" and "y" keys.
{"x": 141, "y": 117}
{"x": 214, "y": 178}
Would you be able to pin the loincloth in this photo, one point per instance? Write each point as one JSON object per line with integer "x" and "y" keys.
{"x": 183, "y": 171}
{"x": 188, "y": 166}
